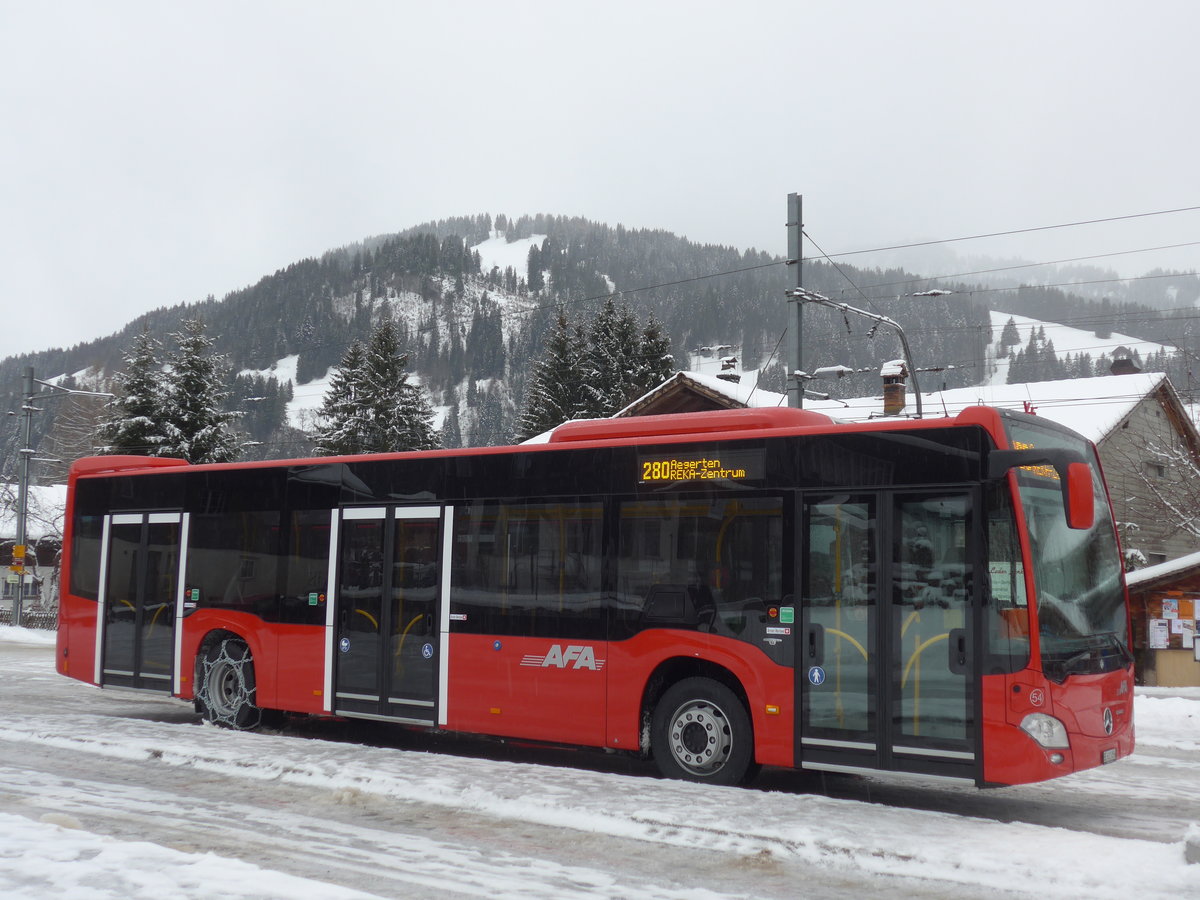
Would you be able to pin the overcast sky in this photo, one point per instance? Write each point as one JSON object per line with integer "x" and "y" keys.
{"x": 154, "y": 153}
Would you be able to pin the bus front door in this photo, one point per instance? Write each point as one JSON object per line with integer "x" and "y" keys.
{"x": 385, "y": 629}
{"x": 886, "y": 663}
{"x": 139, "y": 601}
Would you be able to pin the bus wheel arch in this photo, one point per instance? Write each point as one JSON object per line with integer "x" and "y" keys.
{"x": 696, "y": 723}
{"x": 226, "y": 685}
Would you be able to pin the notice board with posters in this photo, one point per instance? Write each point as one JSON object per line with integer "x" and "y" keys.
{"x": 1168, "y": 621}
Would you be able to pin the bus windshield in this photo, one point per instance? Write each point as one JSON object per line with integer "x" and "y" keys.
{"x": 1082, "y": 622}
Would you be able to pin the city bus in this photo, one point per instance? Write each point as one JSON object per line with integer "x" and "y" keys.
{"x": 718, "y": 591}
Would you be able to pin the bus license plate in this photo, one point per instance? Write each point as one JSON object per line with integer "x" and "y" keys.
{"x": 1108, "y": 756}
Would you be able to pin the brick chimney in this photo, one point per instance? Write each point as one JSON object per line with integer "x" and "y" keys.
{"x": 894, "y": 374}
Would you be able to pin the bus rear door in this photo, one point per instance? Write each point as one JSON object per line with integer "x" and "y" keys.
{"x": 139, "y": 600}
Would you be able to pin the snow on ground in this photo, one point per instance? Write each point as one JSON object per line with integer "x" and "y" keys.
{"x": 1168, "y": 717}
{"x": 53, "y": 858}
{"x": 27, "y": 636}
{"x": 497, "y": 252}
{"x": 819, "y": 831}
{"x": 856, "y": 839}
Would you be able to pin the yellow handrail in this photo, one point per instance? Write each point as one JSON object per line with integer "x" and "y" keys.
{"x": 915, "y": 659}
{"x": 861, "y": 649}
{"x": 398, "y": 667}
{"x": 917, "y": 651}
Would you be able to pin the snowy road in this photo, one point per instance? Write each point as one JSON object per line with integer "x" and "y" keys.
{"x": 107, "y": 795}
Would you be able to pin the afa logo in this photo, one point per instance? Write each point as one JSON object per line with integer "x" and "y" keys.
{"x": 573, "y": 656}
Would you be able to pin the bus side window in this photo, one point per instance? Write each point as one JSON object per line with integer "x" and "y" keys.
{"x": 715, "y": 566}
{"x": 232, "y": 561}
{"x": 85, "y": 556}
{"x": 306, "y": 568}
{"x": 528, "y": 569}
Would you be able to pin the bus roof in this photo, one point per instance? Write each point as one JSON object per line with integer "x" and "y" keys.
{"x": 732, "y": 424}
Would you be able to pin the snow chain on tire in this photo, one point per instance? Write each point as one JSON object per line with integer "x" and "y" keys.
{"x": 226, "y": 686}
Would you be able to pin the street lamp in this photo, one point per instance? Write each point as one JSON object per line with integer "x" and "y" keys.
{"x": 26, "y": 453}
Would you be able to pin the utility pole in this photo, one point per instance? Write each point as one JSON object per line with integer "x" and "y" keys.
{"x": 795, "y": 378}
{"x": 20, "y": 554}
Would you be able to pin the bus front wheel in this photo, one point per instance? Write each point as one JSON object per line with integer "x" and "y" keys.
{"x": 701, "y": 732}
{"x": 225, "y": 686}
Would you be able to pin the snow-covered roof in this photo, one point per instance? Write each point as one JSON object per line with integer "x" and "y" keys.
{"x": 45, "y": 511}
{"x": 1091, "y": 406}
{"x": 1163, "y": 570}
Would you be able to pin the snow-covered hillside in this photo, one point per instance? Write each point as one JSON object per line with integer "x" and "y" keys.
{"x": 1066, "y": 340}
{"x": 416, "y": 314}
{"x": 711, "y": 359}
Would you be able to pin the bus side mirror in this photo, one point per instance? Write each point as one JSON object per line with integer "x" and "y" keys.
{"x": 1080, "y": 498}
{"x": 1074, "y": 478}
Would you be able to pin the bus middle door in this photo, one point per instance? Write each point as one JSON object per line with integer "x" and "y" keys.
{"x": 385, "y": 631}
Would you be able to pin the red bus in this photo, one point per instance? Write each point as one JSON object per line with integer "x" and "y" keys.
{"x": 719, "y": 591}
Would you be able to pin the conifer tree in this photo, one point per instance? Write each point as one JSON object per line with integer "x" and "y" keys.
{"x": 340, "y": 431}
{"x": 398, "y": 414}
{"x": 610, "y": 359}
{"x": 197, "y": 427}
{"x": 485, "y": 341}
{"x": 534, "y": 269}
{"x": 655, "y": 362}
{"x": 375, "y": 409}
{"x": 136, "y": 416}
{"x": 555, "y": 392}
{"x": 489, "y": 430}
{"x": 620, "y": 364}
{"x": 1009, "y": 337}
{"x": 597, "y": 373}
{"x": 451, "y": 429}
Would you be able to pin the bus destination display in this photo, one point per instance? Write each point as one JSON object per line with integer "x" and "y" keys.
{"x": 736, "y": 466}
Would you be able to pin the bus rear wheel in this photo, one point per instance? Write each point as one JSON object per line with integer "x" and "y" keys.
{"x": 700, "y": 731}
{"x": 225, "y": 686}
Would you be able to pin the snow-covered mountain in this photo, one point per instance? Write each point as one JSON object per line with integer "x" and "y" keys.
{"x": 474, "y": 316}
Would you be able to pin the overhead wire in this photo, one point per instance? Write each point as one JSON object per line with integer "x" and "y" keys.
{"x": 1054, "y": 262}
{"x": 1026, "y": 287}
{"x": 976, "y": 237}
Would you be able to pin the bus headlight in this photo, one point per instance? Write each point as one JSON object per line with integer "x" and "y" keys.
{"x": 1046, "y": 730}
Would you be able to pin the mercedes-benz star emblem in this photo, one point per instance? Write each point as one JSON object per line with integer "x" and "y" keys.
{"x": 1108, "y": 721}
